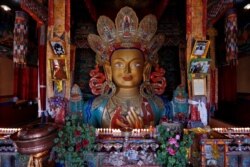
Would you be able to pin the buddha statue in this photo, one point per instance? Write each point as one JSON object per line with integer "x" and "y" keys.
{"x": 128, "y": 94}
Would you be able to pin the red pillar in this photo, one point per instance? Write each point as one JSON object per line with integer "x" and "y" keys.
{"x": 42, "y": 66}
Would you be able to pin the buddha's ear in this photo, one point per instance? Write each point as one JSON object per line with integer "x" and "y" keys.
{"x": 146, "y": 71}
{"x": 107, "y": 71}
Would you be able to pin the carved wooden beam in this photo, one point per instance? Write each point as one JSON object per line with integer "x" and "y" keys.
{"x": 217, "y": 11}
{"x": 37, "y": 11}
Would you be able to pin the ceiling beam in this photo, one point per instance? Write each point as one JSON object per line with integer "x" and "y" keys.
{"x": 217, "y": 11}
{"x": 36, "y": 10}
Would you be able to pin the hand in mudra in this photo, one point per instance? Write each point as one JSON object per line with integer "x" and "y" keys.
{"x": 131, "y": 120}
{"x": 134, "y": 120}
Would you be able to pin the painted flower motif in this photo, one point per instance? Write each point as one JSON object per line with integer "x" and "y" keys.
{"x": 177, "y": 137}
{"x": 77, "y": 133}
{"x": 85, "y": 142}
{"x": 171, "y": 151}
{"x": 78, "y": 146}
{"x": 172, "y": 140}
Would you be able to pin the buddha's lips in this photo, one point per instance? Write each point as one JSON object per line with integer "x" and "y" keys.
{"x": 127, "y": 78}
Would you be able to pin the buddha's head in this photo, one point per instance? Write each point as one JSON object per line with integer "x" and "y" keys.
{"x": 126, "y": 68}
{"x": 126, "y": 49}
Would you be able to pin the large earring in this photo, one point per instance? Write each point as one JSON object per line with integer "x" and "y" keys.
{"x": 146, "y": 90}
{"x": 108, "y": 89}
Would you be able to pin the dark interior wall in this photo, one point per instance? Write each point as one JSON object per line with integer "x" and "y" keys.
{"x": 243, "y": 75}
{"x": 233, "y": 86}
{"x": 6, "y": 76}
{"x": 16, "y": 115}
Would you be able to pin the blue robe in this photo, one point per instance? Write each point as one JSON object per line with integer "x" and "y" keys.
{"x": 94, "y": 108}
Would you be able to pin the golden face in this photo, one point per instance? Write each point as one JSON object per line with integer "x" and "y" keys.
{"x": 127, "y": 67}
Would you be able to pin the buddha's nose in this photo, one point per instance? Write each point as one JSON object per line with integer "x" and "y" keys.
{"x": 127, "y": 69}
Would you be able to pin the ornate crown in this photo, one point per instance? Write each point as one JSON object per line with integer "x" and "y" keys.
{"x": 126, "y": 33}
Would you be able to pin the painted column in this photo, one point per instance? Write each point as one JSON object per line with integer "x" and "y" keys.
{"x": 58, "y": 58}
{"x": 20, "y": 48}
{"x": 231, "y": 29}
{"x": 20, "y": 41}
{"x": 58, "y": 32}
{"x": 196, "y": 14}
{"x": 42, "y": 69}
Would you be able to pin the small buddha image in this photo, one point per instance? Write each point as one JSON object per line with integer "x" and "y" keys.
{"x": 180, "y": 104}
{"x": 58, "y": 48}
{"x": 76, "y": 100}
{"x": 58, "y": 69}
{"x": 127, "y": 98}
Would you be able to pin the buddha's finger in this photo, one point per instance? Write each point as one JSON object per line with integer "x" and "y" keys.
{"x": 121, "y": 124}
{"x": 132, "y": 117}
{"x": 140, "y": 122}
{"x": 129, "y": 121}
{"x": 137, "y": 126}
{"x": 135, "y": 116}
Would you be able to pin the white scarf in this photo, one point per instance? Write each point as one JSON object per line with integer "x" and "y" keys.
{"x": 202, "y": 109}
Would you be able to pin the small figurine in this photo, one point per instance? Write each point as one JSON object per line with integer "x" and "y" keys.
{"x": 76, "y": 101}
{"x": 180, "y": 104}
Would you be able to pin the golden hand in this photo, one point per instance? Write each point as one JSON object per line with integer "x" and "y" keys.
{"x": 134, "y": 120}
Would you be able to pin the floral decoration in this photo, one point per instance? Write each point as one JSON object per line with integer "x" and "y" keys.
{"x": 174, "y": 147}
{"x": 75, "y": 140}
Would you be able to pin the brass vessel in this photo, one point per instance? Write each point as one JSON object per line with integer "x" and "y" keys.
{"x": 35, "y": 138}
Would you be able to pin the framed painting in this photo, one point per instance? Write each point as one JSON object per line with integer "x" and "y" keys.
{"x": 58, "y": 69}
{"x": 200, "y": 48}
{"x": 199, "y": 65}
{"x": 58, "y": 47}
{"x": 199, "y": 86}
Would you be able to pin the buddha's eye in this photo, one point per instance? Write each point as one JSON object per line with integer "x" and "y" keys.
{"x": 119, "y": 65}
{"x": 136, "y": 65}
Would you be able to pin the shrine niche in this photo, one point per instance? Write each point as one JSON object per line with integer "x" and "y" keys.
{"x": 85, "y": 62}
{"x": 169, "y": 60}
{"x": 129, "y": 94}
{"x": 85, "y": 57}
